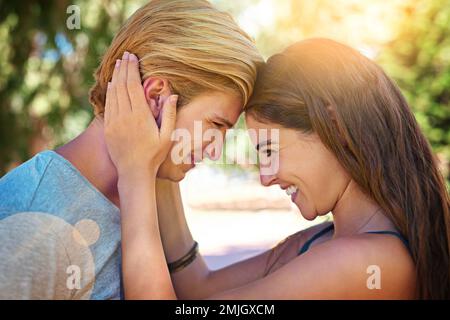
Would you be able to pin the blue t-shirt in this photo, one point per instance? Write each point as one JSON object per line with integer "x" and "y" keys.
{"x": 59, "y": 236}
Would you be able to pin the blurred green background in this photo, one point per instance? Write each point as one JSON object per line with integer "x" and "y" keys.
{"x": 46, "y": 68}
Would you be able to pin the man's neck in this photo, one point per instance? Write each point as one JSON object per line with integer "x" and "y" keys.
{"x": 89, "y": 154}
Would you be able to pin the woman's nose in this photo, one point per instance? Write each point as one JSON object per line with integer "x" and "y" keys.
{"x": 267, "y": 180}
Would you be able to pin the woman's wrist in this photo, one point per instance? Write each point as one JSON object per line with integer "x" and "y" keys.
{"x": 185, "y": 260}
{"x": 137, "y": 173}
{"x": 136, "y": 182}
{"x": 175, "y": 234}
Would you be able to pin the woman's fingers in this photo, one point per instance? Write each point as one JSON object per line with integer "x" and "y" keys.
{"x": 111, "y": 107}
{"x": 126, "y": 95}
{"x": 107, "y": 110}
{"x": 124, "y": 103}
{"x": 132, "y": 135}
{"x": 169, "y": 113}
{"x": 134, "y": 86}
{"x": 115, "y": 74}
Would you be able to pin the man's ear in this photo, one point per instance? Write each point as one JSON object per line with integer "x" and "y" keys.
{"x": 156, "y": 91}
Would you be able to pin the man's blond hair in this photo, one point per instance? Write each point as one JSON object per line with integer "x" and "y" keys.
{"x": 194, "y": 46}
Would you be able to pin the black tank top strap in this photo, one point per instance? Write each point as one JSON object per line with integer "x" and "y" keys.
{"x": 395, "y": 234}
{"x": 307, "y": 244}
{"x": 321, "y": 233}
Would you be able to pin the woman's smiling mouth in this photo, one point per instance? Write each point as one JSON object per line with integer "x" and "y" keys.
{"x": 292, "y": 191}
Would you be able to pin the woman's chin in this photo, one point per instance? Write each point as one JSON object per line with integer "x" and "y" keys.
{"x": 309, "y": 217}
{"x": 308, "y": 214}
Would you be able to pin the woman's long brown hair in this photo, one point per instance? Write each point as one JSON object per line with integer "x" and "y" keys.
{"x": 373, "y": 134}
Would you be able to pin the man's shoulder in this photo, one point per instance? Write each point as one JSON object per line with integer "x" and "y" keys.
{"x": 54, "y": 226}
{"x": 18, "y": 186}
{"x": 49, "y": 183}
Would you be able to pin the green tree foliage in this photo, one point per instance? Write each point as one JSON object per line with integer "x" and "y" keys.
{"x": 419, "y": 60}
{"x": 46, "y": 71}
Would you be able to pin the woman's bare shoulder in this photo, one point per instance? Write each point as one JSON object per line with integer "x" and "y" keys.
{"x": 356, "y": 267}
{"x": 303, "y": 235}
{"x": 382, "y": 261}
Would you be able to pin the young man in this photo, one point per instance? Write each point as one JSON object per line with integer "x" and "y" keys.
{"x": 59, "y": 216}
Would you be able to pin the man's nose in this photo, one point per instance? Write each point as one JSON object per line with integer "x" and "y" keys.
{"x": 267, "y": 180}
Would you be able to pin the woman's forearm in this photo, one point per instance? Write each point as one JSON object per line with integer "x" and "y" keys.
{"x": 176, "y": 236}
{"x": 196, "y": 281}
{"x": 145, "y": 272}
{"x": 177, "y": 241}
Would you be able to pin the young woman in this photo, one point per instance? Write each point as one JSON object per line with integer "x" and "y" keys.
{"x": 347, "y": 143}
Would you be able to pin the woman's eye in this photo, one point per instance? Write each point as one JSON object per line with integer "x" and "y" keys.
{"x": 268, "y": 152}
{"x": 218, "y": 125}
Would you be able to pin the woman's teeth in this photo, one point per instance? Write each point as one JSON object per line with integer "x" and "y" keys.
{"x": 291, "y": 190}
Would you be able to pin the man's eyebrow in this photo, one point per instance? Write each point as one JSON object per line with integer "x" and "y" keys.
{"x": 262, "y": 144}
{"x": 225, "y": 121}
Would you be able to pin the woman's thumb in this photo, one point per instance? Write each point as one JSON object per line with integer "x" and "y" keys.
{"x": 169, "y": 113}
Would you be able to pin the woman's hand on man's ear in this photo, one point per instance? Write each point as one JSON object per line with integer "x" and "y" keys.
{"x": 134, "y": 141}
